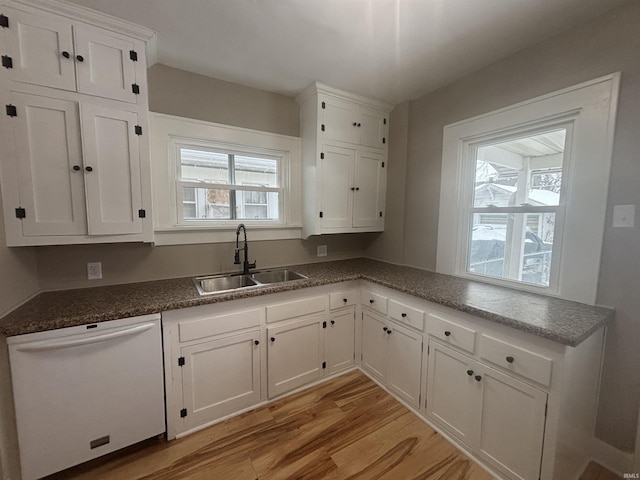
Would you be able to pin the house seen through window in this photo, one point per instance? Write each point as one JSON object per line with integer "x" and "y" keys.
{"x": 517, "y": 197}
{"x": 219, "y": 185}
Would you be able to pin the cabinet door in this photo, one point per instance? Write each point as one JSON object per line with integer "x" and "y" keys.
{"x": 340, "y": 119}
{"x": 294, "y": 354}
{"x": 405, "y": 363}
{"x": 220, "y": 377}
{"x": 370, "y": 180}
{"x": 37, "y": 44}
{"x": 113, "y": 186}
{"x": 49, "y": 157}
{"x": 453, "y": 392}
{"x": 373, "y": 127}
{"x": 374, "y": 345}
{"x": 512, "y": 416}
{"x": 106, "y": 69}
{"x": 336, "y": 181}
{"x": 340, "y": 340}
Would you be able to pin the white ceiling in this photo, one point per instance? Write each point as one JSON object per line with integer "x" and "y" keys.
{"x": 392, "y": 50}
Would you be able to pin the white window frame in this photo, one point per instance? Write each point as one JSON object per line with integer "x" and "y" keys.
{"x": 168, "y": 131}
{"x": 590, "y": 111}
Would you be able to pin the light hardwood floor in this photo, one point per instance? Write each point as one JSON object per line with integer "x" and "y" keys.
{"x": 346, "y": 428}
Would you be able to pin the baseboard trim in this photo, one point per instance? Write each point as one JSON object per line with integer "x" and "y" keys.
{"x": 611, "y": 458}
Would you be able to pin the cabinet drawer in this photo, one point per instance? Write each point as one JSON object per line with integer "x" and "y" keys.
{"x": 517, "y": 360}
{"x": 206, "y": 327}
{"x": 296, "y": 308}
{"x": 374, "y": 301}
{"x": 343, "y": 299}
{"x": 452, "y": 333}
{"x": 405, "y": 314}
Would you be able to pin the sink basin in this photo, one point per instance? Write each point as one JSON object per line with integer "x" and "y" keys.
{"x": 235, "y": 281}
{"x": 276, "y": 276}
{"x": 223, "y": 283}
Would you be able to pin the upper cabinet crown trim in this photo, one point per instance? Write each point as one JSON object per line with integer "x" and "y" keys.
{"x": 317, "y": 87}
{"x": 98, "y": 19}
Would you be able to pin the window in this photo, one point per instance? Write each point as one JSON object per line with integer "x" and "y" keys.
{"x": 208, "y": 177}
{"x": 221, "y": 185}
{"x": 524, "y": 192}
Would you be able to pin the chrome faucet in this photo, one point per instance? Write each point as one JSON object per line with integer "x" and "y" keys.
{"x": 245, "y": 265}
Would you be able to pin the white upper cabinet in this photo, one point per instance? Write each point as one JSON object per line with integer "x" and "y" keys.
{"x": 75, "y": 164}
{"x": 52, "y": 51}
{"x": 344, "y": 157}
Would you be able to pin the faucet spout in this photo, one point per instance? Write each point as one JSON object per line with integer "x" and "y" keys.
{"x": 246, "y": 265}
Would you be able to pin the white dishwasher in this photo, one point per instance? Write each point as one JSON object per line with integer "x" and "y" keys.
{"x": 81, "y": 392}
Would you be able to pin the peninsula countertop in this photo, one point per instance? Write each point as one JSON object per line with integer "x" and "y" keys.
{"x": 562, "y": 321}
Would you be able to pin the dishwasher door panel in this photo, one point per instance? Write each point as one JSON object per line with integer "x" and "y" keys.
{"x": 86, "y": 391}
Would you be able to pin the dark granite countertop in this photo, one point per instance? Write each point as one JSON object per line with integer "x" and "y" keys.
{"x": 562, "y": 321}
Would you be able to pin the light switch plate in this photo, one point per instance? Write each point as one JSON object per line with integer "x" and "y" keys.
{"x": 94, "y": 270}
{"x": 624, "y": 216}
{"x": 321, "y": 251}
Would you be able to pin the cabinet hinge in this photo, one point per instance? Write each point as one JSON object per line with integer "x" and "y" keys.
{"x": 322, "y": 156}
{"x": 322, "y": 127}
{"x": 133, "y": 55}
{"x": 324, "y": 105}
{"x": 12, "y": 111}
{"x": 321, "y": 214}
{"x": 419, "y": 400}
{"x": 183, "y": 413}
{"x": 324, "y": 324}
{"x": 361, "y": 357}
{"x": 138, "y": 130}
{"x": 384, "y": 140}
{"x": 142, "y": 213}
{"x": 7, "y": 61}
{"x": 382, "y": 164}
{"x": 422, "y": 347}
{"x": 546, "y": 406}
{"x": 428, "y": 350}
{"x": 324, "y": 364}
{"x": 4, "y": 21}
{"x": 21, "y": 213}
{"x": 381, "y": 214}
{"x": 135, "y": 88}
{"x": 384, "y": 121}
{"x": 181, "y": 362}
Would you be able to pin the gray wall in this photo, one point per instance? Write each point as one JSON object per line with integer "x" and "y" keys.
{"x": 607, "y": 44}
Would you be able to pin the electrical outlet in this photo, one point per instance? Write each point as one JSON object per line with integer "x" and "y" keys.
{"x": 321, "y": 251}
{"x": 94, "y": 270}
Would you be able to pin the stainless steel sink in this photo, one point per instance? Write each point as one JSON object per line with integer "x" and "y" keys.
{"x": 276, "y": 276}
{"x": 229, "y": 282}
{"x": 223, "y": 283}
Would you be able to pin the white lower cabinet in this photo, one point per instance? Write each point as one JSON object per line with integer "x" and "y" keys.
{"x": 294, "y": 355}
{"x": 340, "y": 340}
{"x": 392, "y": 354}
{"x": 499, "y": 418}
{"x": 220, "y": 377}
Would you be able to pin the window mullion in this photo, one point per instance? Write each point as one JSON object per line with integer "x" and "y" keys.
{"x": 232, "y": 193}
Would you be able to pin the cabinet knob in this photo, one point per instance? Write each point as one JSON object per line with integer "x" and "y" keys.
{"x": 371, "y": 300}
{"x": 65, "y": 54}
{"x": 510, "y": 359}
{"x": 345, "y": 300}
{"x": 357, "y": 189}
{"x": 403, "y": 315}
{"x": 80, "y": 58}
{"x": 257, "y": 342}
{"x": 447, "y": 333}
{"x": 384, "y": 328}
{"x": 273, "y": 339}
{"x": 469, "y": 372}
{"x": 353, "y": 188}
{"x": 77, "y": 168}
{"x": 88, "y": 169}
{"x": 389, "y": 331}
{"x": 355, "y": 124}
{"x": 478, "y": 378}
{"x": 333, "y": 322}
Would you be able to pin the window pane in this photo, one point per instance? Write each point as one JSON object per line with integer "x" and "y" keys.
{"x": 257, "y": 205}
{"x": 203, "y": 165}
{"x": 520, "y": 171}
{"x": 256, "y": 171}
{"x": 513, "y": 246}
{"x": 209, "y": 204}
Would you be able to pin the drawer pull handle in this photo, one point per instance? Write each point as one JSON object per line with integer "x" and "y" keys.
{"x": 257, "y": 342}
{"x": 404, "y": 315}
{"x": 371, "y": 301}
{"x": 510, "y": 359}
{"x": 447, "y": 333}
{"x": 273, "y": 339}
{"x": 478, "y": 378}
{"x": 469, "y": 372}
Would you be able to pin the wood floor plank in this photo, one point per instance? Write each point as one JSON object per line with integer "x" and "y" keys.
{"x": 346, "y": 428}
